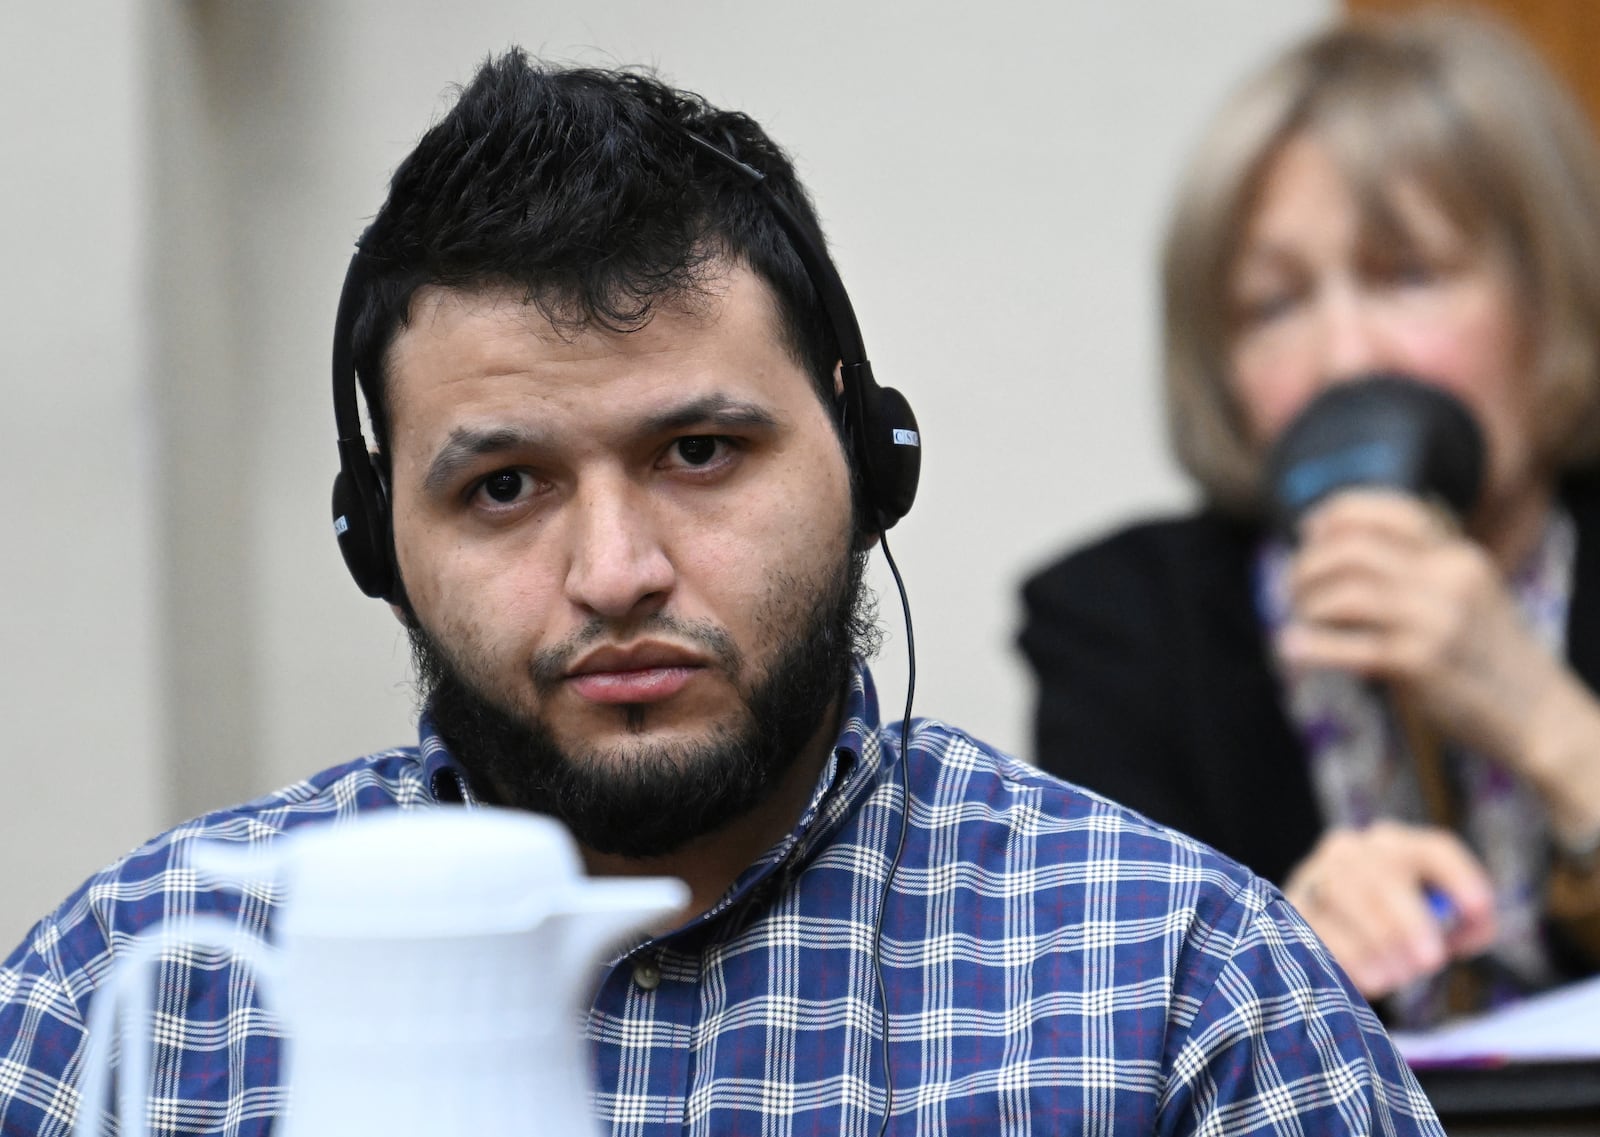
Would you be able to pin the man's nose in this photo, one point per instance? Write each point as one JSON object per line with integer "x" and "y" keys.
{"x": 619, "y": 567}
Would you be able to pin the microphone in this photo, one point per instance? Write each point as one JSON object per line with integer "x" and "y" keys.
{"x": 1386, "y": 430}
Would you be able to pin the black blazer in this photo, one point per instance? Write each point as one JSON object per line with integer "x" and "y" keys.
{"x": 1156, "y": 688}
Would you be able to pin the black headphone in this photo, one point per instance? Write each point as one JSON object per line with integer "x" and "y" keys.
{"x": 879, "y": 427}
{"x": 360, "y": 494}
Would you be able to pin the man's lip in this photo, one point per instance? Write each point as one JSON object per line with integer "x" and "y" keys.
{"x": 635, "y": 657}
{"x": 633, "y": 686}
{"x": 636, "y": 673}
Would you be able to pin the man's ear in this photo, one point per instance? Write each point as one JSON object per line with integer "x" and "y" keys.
{"x": 838, "y": 379}
{"x": 401, "y": 614}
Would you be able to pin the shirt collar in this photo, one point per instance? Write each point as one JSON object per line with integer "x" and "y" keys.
{"x": 446, "y": 781}
{"x": 862, "y": 757}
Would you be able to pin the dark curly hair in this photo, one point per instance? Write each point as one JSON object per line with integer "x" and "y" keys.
{"x": 577, "y": 186}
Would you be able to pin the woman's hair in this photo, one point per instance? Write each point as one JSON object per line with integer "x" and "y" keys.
{"x": 1465, "y": 111}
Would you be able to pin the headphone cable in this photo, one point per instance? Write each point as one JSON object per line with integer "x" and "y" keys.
{"x": 900, "y": 842}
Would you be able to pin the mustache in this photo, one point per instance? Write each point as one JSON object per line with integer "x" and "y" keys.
{"x": 549, "y": 667}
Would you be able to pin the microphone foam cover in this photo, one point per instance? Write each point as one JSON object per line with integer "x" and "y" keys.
{"x": 1387, "y": 430}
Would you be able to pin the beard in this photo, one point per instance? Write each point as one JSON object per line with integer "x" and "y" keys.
{"x": 651, "y": 799}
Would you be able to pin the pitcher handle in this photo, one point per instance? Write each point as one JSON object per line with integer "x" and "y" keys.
{"x": 196, "y": 931}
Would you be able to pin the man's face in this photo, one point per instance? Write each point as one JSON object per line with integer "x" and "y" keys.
{"x": 628, "y": 555}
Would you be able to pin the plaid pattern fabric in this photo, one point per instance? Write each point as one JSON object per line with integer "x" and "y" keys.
{"x": 1053, "y": 963}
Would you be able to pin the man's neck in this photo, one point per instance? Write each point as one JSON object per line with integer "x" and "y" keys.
{"x": 710, "y": 864}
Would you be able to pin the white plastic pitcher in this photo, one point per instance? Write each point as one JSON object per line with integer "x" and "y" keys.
{"x": 431, "y": 970}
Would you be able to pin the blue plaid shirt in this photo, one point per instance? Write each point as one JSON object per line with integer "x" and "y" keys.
{"x": 1053, "y": 962}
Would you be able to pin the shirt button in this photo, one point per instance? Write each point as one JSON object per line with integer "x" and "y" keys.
{"x": 647, "y": 974}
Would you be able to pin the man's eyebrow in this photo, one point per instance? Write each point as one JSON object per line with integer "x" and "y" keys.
{"x": 715, "y": 411}
{"x": 466, "y": 445}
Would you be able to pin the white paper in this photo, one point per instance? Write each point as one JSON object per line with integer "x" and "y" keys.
{"x": 1558, "y": 1025}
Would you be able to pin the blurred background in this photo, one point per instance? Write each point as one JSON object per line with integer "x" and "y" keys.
{"x": 183, "y": 181}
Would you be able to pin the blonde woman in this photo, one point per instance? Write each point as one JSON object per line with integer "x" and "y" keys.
{"x": 1415, "y": 196}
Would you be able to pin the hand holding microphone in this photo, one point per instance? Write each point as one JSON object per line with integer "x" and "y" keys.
{"x": 1375, "y": 480}
{"x": 1372, "y": 482}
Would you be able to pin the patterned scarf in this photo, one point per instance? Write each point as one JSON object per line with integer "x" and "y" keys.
{"x": 1360, "y": 772}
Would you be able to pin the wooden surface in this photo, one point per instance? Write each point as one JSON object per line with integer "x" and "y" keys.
{"x": 1565, "y": 32}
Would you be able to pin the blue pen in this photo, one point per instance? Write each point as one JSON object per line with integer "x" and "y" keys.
{"x": 1442, "y": 907}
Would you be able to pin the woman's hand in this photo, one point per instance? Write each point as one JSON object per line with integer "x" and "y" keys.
{"x": 1384, "y": 587}
{"x": 1365, "y": 892}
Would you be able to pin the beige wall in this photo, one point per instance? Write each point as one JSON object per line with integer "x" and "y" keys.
{"x": 80, "y": 687}
{"x": 178, "y": 630}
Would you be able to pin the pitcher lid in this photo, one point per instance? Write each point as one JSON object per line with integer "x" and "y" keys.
{"x": 447, "y": 871}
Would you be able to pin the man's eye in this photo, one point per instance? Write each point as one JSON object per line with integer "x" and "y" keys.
{"x": 697, "y": 450}
{"x": 504, "y": 486}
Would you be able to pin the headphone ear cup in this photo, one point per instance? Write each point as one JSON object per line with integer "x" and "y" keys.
{"x": 891, "y": 451}
{"x": 361, "y": 524}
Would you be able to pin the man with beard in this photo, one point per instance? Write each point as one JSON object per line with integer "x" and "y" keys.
{"x": 616, "y": 503}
